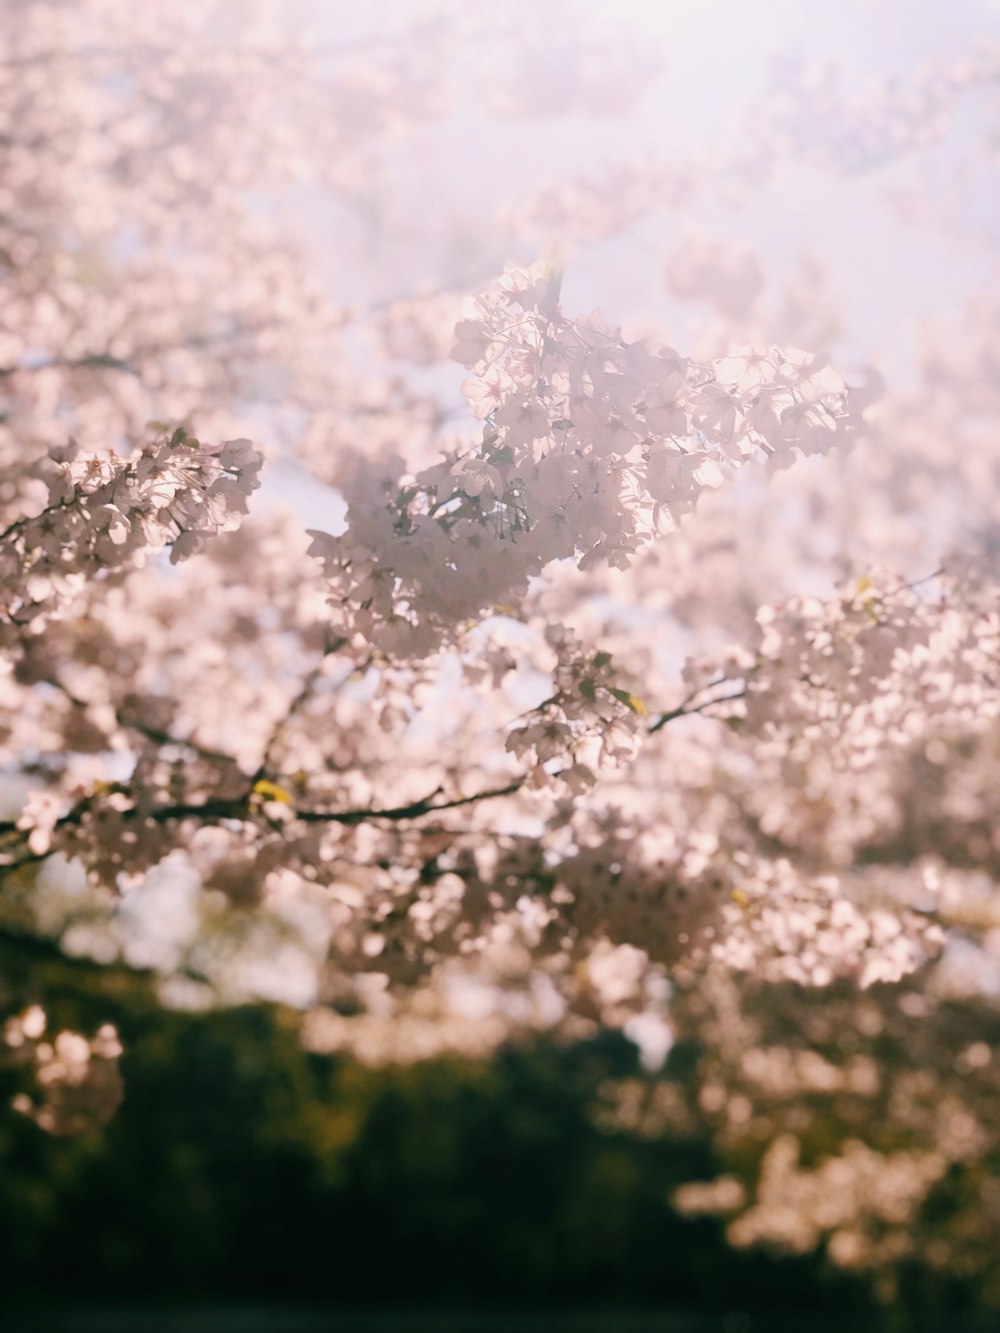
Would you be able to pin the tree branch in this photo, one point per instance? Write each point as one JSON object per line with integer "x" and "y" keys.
{"x": 688, "y": 708}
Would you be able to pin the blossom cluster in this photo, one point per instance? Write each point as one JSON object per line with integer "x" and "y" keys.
{"x": 75, "y": 1083}
{"x": 104, "y": 513}
{"x": 591, "y": 444}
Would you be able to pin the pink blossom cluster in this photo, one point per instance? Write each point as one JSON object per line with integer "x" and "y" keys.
{"x": 104, "y": 513}
{"x": 591, "y": 445}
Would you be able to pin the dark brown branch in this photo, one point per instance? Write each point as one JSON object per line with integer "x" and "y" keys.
{"x": 241, "y": 808}
{"x": 415, "y": 810}
{"x": 303, "y": 696}
{"x": 688, "y": 708}
{"x": 155, "y": 734}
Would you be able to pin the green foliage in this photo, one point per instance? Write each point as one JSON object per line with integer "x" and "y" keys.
{"x": 240, "y": 1163}
{"x": 242, "y": 1166}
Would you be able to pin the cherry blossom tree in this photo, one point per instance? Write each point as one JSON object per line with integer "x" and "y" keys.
{"x": 568, "y": 668}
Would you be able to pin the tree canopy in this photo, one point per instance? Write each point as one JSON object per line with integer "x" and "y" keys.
{"x": 498, "y": 537}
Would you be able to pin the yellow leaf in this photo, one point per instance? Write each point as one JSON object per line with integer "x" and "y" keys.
{"x": 270, "y": 791}
{"x": 631, "y": 701}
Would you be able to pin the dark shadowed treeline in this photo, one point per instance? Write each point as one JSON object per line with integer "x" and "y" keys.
{"x": 241, "y": 1167}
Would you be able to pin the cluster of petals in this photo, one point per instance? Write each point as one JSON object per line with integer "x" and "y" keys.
{"x": 104, "y": 513}
{"x": 590, "y": 445}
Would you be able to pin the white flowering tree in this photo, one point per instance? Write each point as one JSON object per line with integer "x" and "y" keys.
{"x": 561, "y": 668}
